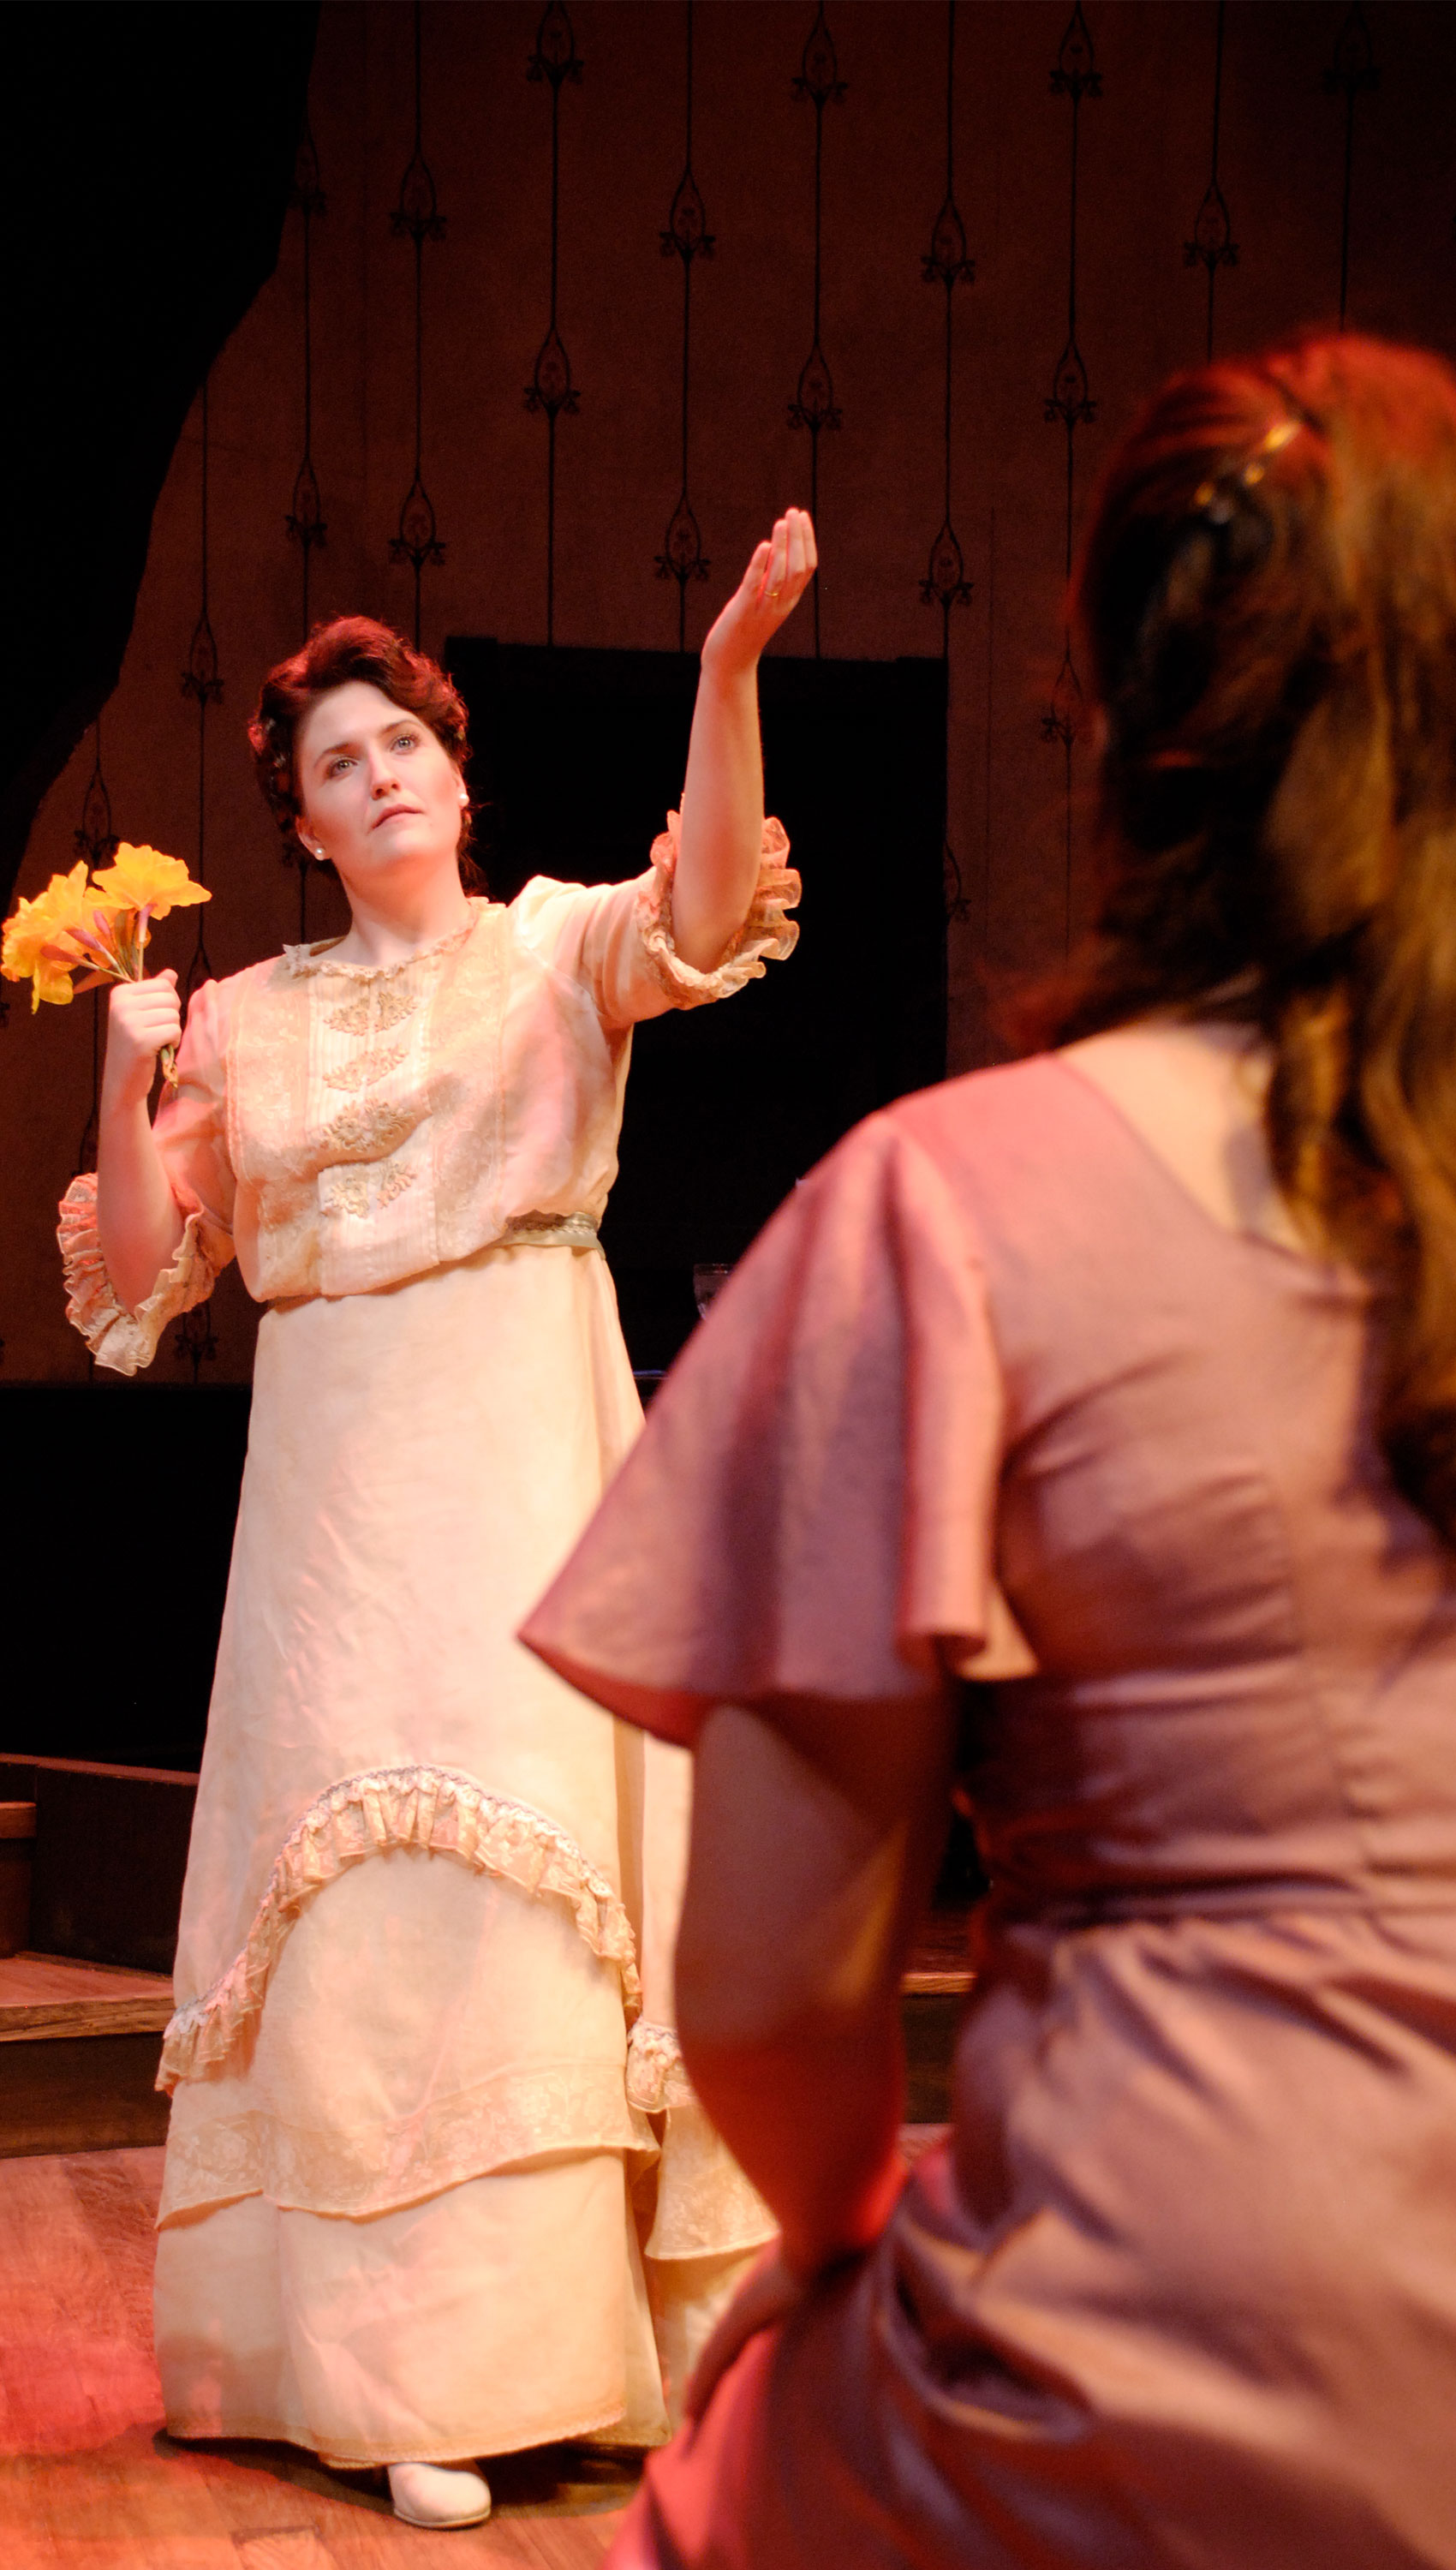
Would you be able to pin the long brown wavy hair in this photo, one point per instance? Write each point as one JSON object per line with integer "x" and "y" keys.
{"x": 1267, "y": 604}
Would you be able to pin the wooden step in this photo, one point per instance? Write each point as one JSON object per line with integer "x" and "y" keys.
{"x": 934, "y": 1995}
{"x": 47, "y": 1998}
{"x": 108, "y": 1859}
{"x": 80, "y": 2045}
{"x": 17, "y": 1846}
{"x": 941, "y": 1962}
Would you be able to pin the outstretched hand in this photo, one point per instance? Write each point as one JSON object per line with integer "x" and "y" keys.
{"x": 778, "y": 574}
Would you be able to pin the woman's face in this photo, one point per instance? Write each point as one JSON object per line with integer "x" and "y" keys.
{"x": 379, "y": 794}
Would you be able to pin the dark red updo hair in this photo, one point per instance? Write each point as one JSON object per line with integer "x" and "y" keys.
{"x": 354, "y": 646}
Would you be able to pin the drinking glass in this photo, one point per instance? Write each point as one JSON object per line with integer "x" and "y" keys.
{"x": 709, "y": 1278}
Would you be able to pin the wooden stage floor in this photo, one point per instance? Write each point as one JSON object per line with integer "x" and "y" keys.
{"x": 89, "y": 2479}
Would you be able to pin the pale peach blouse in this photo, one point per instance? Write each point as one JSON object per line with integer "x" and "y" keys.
{"x": 339, "y": 1127}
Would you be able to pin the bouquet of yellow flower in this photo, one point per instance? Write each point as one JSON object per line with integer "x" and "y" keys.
{"x": 98, "y": 930}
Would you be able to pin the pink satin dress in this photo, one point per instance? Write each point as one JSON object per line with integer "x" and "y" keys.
{"x": 1180, "y": 2292}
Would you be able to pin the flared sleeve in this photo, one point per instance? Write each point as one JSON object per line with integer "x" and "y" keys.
{"x": 810, "y": 1509}
{"x": 617, "y": 939}
{"x": 191, "y": 1133}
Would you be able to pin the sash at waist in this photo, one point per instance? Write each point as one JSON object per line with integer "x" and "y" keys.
{"x": 523, "y": 1232}
{"x": 550, "y": 1231}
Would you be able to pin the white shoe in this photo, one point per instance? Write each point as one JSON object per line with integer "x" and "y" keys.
{"x": 434, "y": 2494}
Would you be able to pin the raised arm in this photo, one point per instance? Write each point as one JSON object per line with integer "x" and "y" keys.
{"x": 722, "y": 808}
{"x": 138, "y": 1220}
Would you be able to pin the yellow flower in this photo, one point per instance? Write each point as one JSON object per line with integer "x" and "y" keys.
{"x": 38, "y": 946}
{"x": 143, "y": 879}
{"x": 99, "y": 927}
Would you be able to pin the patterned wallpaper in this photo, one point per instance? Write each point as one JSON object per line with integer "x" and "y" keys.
{"x": 573, "y": 299}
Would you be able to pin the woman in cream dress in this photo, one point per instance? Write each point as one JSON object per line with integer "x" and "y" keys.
{"x": 435, "y": 2183}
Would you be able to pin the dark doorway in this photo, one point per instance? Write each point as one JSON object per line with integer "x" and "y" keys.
{"x": 120, "y": 1597}
{"x": 578, "y": 757}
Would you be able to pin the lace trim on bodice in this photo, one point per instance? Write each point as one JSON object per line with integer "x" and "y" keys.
{"x": 363, "y": 1815}
{"x": 303, "y": 960}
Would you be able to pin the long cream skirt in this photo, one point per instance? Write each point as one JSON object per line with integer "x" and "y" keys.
{"x": 435, "y": 2183}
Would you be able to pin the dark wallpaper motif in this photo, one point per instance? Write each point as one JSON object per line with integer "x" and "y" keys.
{"x": 305, "y": 522}
{"x": 193, "y": 1341}
{"x": 202, "y": 679}
{"x": 1350, "y": 75}
{"x": 417, "y": 218}
{"x": 948, "y": 263}
{"x": 1246, "y": 171}
{"x": 96, "y": 840}
{"x": 552, "y": 390}
{"x": 1213, "y": 244}
{"x": 1070, "y": 405}
{"x": 687, "y": 238}
{"x": 817, "y": 84}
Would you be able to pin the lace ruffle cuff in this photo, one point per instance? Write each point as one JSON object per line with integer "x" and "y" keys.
{"x": 120, "y": 1340}
{"x": 766, "y": 936}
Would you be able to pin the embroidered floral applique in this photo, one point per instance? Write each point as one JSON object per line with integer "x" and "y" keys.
{"x": 374, "y": 1009}
{"x": 348, "y": 1193}
{"x": 393, "y": 1005}
{"x": 394, "y": 1182}
{"x": 374, "y": 1126}
{"x": 367, "y": 1189}
{"x": 355, "y": 1018}
{"x": 366, "y": 1068}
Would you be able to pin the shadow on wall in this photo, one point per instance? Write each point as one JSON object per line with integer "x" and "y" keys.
{"x": 148, "y": 160}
